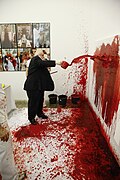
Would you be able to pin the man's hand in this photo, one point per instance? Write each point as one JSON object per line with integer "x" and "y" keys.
{"x": 58, "y": 62}
{"x": 4, "y": 134}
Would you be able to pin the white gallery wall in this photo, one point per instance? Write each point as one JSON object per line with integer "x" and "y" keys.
{"x": 75, "y": 26}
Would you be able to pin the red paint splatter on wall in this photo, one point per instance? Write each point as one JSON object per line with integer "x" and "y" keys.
{"x": 82, "y": 77}
{"x": 79, "y": 74}
{"x": 107, "y": 73}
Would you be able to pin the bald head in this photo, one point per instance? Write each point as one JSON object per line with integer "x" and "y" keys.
{"x": 40, "y": 53}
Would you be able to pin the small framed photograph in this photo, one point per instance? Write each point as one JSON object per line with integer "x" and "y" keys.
{"x": 9, "y": 59}
{"x": 24, "y": 54}
{"x": 8, "y": 36}
{"x": 24, "y": 35}
{"x": 41, "y": 35}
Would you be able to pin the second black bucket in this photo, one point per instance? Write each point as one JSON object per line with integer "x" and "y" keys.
{"x": 52, "y": 98}
{"x": 62, "y": 100}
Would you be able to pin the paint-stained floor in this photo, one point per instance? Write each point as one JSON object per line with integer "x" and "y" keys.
{"x": 66, "y": 146}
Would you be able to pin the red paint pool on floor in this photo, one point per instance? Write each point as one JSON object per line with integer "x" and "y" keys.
{"x": 69, "y": 145}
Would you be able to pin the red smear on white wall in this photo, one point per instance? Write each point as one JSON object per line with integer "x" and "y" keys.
{"x": 107, "y": 73}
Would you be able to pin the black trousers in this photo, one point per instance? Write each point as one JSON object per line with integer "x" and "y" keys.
{"x": 35, "y": 103}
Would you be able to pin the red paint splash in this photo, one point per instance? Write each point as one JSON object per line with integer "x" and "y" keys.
{"x": 107, "y": 72}
{"x": 82, "y": 81}
{"x": 79, "y": 74}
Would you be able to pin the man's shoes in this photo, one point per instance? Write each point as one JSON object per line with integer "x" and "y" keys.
{"x": 32, "y": 121}
{"x": 43, "y": 116}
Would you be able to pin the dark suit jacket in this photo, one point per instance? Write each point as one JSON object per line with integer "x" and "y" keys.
{"x": 39, "y": 77}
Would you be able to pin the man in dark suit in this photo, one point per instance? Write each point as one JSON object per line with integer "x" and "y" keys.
{"x": 38, "y": 81}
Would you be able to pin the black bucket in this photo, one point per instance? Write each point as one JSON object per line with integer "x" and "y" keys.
{"x": 52, "y": 98}
{"x": 62, "y": 100}
{"x": 75, "y": 99}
